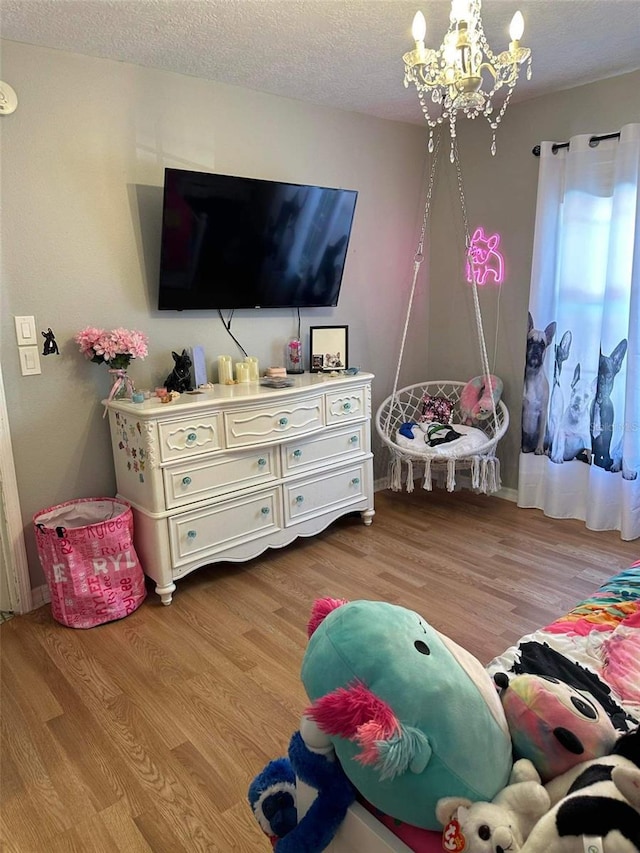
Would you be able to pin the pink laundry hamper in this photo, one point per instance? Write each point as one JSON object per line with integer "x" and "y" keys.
{"x": 86, "y": 551}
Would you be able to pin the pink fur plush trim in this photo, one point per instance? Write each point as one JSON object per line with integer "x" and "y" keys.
{"x": 322, "y": 607}
{"x": 354, "y": 712}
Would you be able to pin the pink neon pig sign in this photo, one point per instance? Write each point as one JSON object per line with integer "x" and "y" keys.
{"x": 484, "y": 258}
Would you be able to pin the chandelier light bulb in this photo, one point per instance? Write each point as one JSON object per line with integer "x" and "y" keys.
{"x": 419, "y": 28}
{"x": 516, "y": 28}
{"x": 460, "y": 10}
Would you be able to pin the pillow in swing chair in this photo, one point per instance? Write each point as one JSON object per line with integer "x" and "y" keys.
{"x": 478, "y": 398}
{"x": 467, "y": 442}
{"x": 436, "y": 410}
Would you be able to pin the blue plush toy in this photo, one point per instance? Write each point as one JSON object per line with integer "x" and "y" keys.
{"x": 272, "y": 797}
{"x": 412, "y": 716}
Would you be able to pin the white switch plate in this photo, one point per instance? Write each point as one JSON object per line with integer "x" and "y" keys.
{"x": 26, "y": 331}
{"x": 29, "y": 361}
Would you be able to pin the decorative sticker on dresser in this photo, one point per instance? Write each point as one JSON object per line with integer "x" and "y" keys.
{"x": 130, "y": 442}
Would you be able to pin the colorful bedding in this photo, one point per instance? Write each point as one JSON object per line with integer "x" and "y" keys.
{"x": 594, "y": 647}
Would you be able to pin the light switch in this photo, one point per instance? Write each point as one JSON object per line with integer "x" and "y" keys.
{"x": 29, "y": 361}
{"x": 26, "y": 331}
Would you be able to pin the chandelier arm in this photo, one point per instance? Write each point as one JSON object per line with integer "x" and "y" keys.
{"x": 489, "y": 68}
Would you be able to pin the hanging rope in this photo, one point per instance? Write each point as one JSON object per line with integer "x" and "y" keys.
{"x": 417, "y": 261}
{"x": 474, "y": 287}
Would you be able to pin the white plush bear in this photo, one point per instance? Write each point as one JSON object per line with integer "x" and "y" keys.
{"x": 503, "y": 824}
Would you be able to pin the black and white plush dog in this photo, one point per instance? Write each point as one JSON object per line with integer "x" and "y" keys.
{"x": 535, "y": 400}
{"x": 595, "y": 803}
{"x": 180, "y": 377}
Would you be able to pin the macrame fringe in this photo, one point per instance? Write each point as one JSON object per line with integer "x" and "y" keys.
{"x": 426, "y": 483}
{"x": 475, "y": 472}
{"x": 493, "y": 478}
{"x": 485, "y": 474}
{"x": 489, "y": 480}
{"x": 395, "y": 473}
{"x": 409, "y": 475}
{"x": 451, "y": 474}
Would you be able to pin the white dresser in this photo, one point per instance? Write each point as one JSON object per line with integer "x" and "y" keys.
{"x": 226, "y": 473}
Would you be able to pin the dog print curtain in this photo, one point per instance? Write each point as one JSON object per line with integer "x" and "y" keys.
{"x": 580, "y": 452}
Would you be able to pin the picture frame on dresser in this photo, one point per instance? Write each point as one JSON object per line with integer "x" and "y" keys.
{"x": 328, "y": 348}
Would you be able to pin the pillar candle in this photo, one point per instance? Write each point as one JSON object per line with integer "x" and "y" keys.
{"x": 254, "y": 368}
{"x": 225, "y": 369}
{"x": 242, "y": 372}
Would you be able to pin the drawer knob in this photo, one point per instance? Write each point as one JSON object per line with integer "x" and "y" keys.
{"x": 284, "y": 421}
{"x": 265, "y": 510}
{"x": 191, "y": 534}
{"x": 186, "y": 481}
{"x": 346, "y": 406}
{"x": 192, "y": 436}
{"x": 297, "y": 454}
{"x": 353, "y": 439}
{"x": 299, "y": 499}
{"x": 356, "y": 481}
{"x": 262, "y": 462}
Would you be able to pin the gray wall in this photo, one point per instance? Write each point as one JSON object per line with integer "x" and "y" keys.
{"x": 82, "y": 166}
{"x": 501, "y": 195}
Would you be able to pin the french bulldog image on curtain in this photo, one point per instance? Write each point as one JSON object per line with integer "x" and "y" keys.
{"x": 572, "y": 438}
{"x": 602, "y": 412}
{"x": 602, "y": 416}
{"x": 535, "y": 400}
{"x": 556, "y": 403}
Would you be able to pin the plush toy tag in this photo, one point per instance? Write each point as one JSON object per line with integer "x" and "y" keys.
{"x": 592, "y": 844}
{"x": 453, "y": 839}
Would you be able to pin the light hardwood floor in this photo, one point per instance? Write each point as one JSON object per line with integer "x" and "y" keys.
{"x": 143, "y": 735}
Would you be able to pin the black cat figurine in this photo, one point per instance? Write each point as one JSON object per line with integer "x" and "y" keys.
{"x": 180, "y": 377}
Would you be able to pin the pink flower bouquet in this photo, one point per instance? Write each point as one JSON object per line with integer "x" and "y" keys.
{"x": 115, "y": 348}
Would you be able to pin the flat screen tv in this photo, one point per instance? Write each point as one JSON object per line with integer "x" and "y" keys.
{"x": 232, "y": 242}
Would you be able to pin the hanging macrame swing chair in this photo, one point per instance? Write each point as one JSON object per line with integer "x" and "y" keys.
{"x": 420, "y": 445}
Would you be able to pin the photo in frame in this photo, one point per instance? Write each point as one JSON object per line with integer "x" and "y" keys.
{"x": 328, "y": 348}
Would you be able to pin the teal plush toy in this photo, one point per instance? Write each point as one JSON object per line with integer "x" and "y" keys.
{"x": 412, "y": 716}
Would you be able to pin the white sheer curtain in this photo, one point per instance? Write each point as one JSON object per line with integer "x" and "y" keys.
{"x": 581, "y": 408}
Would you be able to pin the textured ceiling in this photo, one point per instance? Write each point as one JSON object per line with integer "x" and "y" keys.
{"x": 341, "y": 53}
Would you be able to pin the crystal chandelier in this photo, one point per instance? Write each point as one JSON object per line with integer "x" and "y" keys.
{"x": 452, "y": 76}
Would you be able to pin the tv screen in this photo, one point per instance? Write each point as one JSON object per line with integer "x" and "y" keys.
{"x": 232, "y": 242}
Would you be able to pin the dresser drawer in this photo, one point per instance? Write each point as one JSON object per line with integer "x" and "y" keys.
{"x": 244, "y": 427}
{"x": 189, "y": 437}
{"x": 197, "y": 534}
{"x": 197, "y": 481}
{"x": 311, "y": 497}
{"x": 348, "y": 405}
{"x": 331, "y": 447}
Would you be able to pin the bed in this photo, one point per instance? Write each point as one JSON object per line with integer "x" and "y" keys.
{"x": 595, "y": 646}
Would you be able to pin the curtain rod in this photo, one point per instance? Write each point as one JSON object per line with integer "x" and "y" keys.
{"x": 593, "y": 142}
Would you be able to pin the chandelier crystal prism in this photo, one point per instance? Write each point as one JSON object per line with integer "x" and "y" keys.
{"x": 463, "y": 74}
